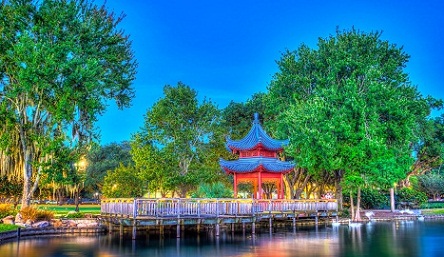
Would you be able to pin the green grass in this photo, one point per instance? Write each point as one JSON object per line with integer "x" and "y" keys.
{"x": 433, "y": 211}
{"x": 7, "y": 227}
{"x": 61, "y": 210}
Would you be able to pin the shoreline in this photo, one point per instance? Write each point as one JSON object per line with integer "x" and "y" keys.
{"x": 97, "y": 228}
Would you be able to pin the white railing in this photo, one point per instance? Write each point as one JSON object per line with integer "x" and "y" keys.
{"x": 200, "y": 207}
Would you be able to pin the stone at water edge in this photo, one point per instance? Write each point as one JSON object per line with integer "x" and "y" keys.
{"x": 9, "y": 220}
{"x": 41, "y": 224}
{"x": 18, "y": 218}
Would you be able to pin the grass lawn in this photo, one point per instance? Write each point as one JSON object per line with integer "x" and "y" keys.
{"x": 7, "y": 227}
{"x": 61, "y": 210}
{"x": 433, "y": 211}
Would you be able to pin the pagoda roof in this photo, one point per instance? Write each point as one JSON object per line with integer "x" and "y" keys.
{"x": 255, "y": 137}
{"x": 246, "y": 165}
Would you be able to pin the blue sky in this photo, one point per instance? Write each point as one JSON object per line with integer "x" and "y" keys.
{"x": 227, "y": 50}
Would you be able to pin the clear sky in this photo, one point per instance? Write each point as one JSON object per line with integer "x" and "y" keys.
{"x": 227, "y": 49}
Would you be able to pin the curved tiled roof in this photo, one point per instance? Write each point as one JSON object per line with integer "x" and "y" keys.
{"x": 245, "y": 165}
{"x": 256, "y": 136}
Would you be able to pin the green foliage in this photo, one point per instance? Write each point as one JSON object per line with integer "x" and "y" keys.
{"x": 433, "y": 184}
{"x": 61, "y": 62}
{"x": 407, "y": 194}
{"x": 429, "y": 149}
{"x": 124, "y": 181}
{"x": 75, "y": 215}
{"x": 10, "y": 188}
{"x": 8, "y": 227}
{"x": 179, "y": 146}
{"x": 432, "y": 205}
{"x": 348, "y": 106}
{"x": 6, "y": 210}
{"x": 237, "y": 117}
{"x": 102, "y": 159}
{"x": 373, "y": 199}
{"x": 215, "y": 190}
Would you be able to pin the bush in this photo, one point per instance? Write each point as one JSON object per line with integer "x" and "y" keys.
{"x": 373, "y": 199}
{"x": 410, "y": 195}
{"x": 75, "y": 215}
{"x": 432, "y": 205}
{"x": 216, "y": 190}
{"x": 370, "y": 199}
{"x": 6, "y": 210}
{"x": 34, "y": 214}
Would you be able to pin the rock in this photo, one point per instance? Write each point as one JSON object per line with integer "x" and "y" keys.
{"x": 28, "y": 223}
{"x": 9, "y": 220}
{"x": 87, "y": 225}
{"x": 57, "y": 223}
{"x": 41, "y": 224}
{"x": 70, "y": 224}
{"x": 18, "y": 218}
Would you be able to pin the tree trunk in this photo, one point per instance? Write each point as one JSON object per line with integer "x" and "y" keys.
{"x": 352, "y": 206}
{"x": 27, "y": 173}
{"x": 76, "y": 199}
{"x": 392, "y": 199}
{"x": 358, "y": 205}
{"x": 338, "y": 186}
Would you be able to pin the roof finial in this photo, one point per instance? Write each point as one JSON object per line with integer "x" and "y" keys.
{"x": 256, "y": 117}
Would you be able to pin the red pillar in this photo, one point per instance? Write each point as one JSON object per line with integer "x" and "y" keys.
{"x": 259, "y": 185}
{"x": 235, "y": 185}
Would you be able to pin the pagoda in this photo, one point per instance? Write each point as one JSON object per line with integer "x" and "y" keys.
{"x": 258, "y": 161}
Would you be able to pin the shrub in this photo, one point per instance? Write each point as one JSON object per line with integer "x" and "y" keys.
{"x": 216, "y": 190}
{"x": 6, "y": 210}
{"x": 432, "y": 205}
{"x": 373, "y": 199}
{"x": 408, "y": 194}
{"x": 34, "y": 214}
{"x": 75, "y": 215}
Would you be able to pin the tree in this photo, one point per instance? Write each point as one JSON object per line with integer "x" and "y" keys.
{"x": 237, "y": 117}
{"x": 429, "y": 149}
{"x": 101, "y": 159}
{"x": 124, "y": 181}
{"x": 60, "y": 62}
{"x": 433, "y": 184}
{"x": 349, "y": 109}
{"x": 182, "y": 139}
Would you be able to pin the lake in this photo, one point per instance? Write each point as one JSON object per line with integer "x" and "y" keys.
{"x": 400, "y": 238}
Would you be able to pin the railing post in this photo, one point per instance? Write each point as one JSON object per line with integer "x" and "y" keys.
{"x": 135, "y": 208}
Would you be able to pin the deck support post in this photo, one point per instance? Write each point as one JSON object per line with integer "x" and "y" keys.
{"x": 178, "y": 229}
{"x": 110, "y": 227}
{"x": 217, "y": 227}
{"x": 270, "y": 224}
{"x": 253, "y": 228}
{"x": 161, "y": 230}
{"x": 121, "y": 229}
{"x": 134, "y": 232}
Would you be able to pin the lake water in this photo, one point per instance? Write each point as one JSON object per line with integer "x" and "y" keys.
{"x": 401, "y": 238}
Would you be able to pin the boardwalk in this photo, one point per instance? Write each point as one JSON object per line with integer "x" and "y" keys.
{"x": 191, "y": 211}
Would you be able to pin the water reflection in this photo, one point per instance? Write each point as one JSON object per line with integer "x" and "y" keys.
{"x": 403, "y": 238}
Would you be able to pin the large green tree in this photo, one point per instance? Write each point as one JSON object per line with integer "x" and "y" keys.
{"x": 61, "y": 61}
{"x": 181, "y": 139}
{"x": 101, "y": 159}
{"x": 349, "y": 109}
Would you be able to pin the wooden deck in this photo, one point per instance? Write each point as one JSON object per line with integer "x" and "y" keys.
{"x": 192, "y": 211}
